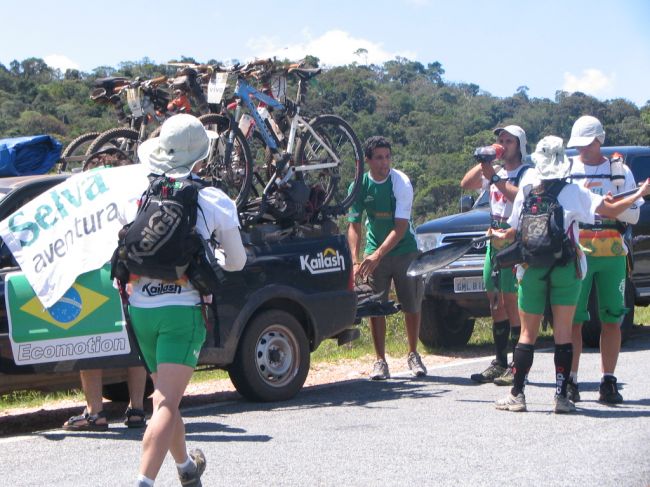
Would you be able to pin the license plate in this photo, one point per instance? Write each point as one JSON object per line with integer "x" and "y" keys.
{"x": 469, "y": 284}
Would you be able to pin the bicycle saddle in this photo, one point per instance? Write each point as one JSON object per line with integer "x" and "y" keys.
{"x": 110, "y": 83}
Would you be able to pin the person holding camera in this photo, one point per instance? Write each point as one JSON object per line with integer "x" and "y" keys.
{"x": 500, "y": 285}
{"x": 548, "y": 275}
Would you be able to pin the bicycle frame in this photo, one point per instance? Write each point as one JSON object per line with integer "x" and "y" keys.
{"x": 246, "y": 93}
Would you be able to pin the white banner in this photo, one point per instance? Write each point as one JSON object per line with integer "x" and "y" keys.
{"x": 72, "y": 228}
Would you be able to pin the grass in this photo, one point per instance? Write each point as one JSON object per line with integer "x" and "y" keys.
{"x": 328, "y": 351}
{"x": 27, "y": 399}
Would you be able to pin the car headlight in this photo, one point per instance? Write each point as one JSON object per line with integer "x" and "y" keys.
{"x": 428, "y": 241}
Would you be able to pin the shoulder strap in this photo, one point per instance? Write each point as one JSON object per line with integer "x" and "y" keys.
{"x": 517, "y": 179}
{"x": 555, "y": 188}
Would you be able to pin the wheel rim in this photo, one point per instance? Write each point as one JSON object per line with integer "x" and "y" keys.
{"x": 276, "y": 356}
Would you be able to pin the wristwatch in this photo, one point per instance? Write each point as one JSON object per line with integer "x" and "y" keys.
{"x": 495, "y": 179}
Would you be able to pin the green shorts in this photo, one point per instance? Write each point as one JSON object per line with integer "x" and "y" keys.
{"x": 169, "y": 334}
{"x": 564, "y": 288}
{"x": 608, "y": 275}
{"x": 393, "y": 268}
{"x": 507, "y": 279}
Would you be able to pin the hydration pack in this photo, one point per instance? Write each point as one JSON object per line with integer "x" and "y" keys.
{"x": 541, "y": 236}
{"x": 162, "y": 241}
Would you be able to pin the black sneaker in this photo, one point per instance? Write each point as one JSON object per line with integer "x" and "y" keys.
{"x": 609, "y": 391}
{"x": 488, "y": 375}
{"x": 572, "y": 391}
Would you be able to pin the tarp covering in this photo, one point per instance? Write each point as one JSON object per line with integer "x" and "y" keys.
{"x": 24, "y": 156}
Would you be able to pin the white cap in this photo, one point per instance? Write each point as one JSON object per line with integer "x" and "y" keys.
{"x": 516, "y": 131}
{"x": 550, "y": 160}
{"x": 183, "y": 141}
{"x": 585, "y": 130}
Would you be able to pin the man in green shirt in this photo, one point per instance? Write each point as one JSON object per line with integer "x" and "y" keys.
{"x": 386, "y": 195}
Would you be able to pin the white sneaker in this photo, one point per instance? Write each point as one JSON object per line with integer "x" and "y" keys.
{"x": 563, "y": 405}
{"x": 380, "y": 371}
{"x": 415, "y": 364}
{"x": 516, "y": 403}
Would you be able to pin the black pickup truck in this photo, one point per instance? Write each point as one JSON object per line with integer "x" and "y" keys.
{"x": 295, "y": 291}
{"x": 455, "y": 295}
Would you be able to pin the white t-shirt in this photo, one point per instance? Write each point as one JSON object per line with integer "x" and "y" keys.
{"x": 217, "y": 213}
{"x": 578, "y": 204}
{"x": 499, "y": 205}
{"x": 602, "y": 186}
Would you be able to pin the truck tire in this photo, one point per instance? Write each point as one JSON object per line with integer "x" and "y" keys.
{"x": 119, "y": 392}
{"x": 272, "y": 360}
{"x": 444, "y": 324}
{"x": 591, "y": 328}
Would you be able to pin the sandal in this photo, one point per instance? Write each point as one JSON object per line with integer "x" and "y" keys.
{"x": 86, "y": 422}
{"x": 140, "y": 422}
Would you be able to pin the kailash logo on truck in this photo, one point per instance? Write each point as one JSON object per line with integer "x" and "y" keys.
{"x": 329, "y": 260}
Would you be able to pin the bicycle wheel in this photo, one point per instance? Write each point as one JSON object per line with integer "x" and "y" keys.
{"x": 341, "y": 182}
{"x": 126, "y": 140}
{"x": 108, "y": 157}
{"x": 73, "y": 155}
{"x": 234, "y": 177}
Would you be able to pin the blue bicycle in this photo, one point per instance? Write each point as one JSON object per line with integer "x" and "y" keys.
{"x": 313, "y": 168}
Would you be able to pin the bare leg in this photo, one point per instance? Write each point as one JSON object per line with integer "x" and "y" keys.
{"x": 562, "y": 323}
{"x": 412, "y": 322}
{"x": 164, "y": 433}
{"x": 529, "y": 327}
{"x": 91, "y": 383}
{"x": 497, "y": 308}
{"x": 137, "y": 379}
{"x": 610, "y": 346}
{"x": 511, "y": 309}
{"x": 378, "y": 331}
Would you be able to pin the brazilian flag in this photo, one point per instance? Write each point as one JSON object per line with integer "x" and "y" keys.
{"x": 90, "y": 307}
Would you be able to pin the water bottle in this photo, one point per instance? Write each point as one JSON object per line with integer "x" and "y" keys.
{"x": 489, "y": 153}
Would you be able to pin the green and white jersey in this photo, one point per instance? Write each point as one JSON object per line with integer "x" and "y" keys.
{"x": 383, "y": 201}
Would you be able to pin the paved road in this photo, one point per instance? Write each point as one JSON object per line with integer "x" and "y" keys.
{"x": 441, "y": 430}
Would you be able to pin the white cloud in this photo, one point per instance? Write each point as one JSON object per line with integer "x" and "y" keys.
{"x": 333, "y": 48}
{"x": 59, "y": 61}
{"x": 592, "y": 81}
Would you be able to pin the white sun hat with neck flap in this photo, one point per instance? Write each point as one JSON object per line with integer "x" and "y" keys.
{"x": 550, "y": 160}
{"x": 183, "y": 141}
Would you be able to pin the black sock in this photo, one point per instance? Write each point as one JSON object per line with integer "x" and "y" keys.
{"x": 523, "y": 361}
{"x": 500, "y": 332}
{"x": 514, "y": 338}
{"x": 563, "y": 357}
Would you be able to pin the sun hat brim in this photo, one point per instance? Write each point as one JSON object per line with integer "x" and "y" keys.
{"x": 176, "y": 165}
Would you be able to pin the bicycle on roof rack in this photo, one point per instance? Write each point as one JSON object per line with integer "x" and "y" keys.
{"x": 314, "y": 170}
{"x": 106, "y": 91}
{"x": 147, "y": 102}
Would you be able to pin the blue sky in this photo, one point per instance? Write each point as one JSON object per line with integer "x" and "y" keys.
{"x": 599, "y": 47}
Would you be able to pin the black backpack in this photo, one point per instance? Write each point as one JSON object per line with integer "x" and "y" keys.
{"x": 541, "y": 235}
{"x": 162, "y": 241}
